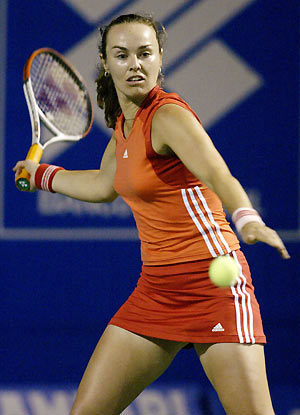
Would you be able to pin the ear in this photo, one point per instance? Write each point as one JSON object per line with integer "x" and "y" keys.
{"x": 102, "y": 61}
{"x": 161, "y": 57}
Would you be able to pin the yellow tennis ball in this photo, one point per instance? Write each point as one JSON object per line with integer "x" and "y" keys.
{"x": 223, "y": 271}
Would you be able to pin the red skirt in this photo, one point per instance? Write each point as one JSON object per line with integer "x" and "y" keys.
{"x": 178, "y": 302}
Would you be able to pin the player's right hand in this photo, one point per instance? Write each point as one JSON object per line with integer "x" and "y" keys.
{"x": 31, "y": 168}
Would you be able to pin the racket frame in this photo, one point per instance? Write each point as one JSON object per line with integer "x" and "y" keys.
{"x": 36, "y": 115}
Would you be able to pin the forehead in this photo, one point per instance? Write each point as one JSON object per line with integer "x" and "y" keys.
{"x": 131, "y": 34}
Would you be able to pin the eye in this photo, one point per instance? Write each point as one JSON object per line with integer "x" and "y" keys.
{"x": 121, "y": 56}
{"x": 146, "y": 54}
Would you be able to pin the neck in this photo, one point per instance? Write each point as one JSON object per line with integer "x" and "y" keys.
{"x": 129, "y": 109}
{"x": 130, "y": 106}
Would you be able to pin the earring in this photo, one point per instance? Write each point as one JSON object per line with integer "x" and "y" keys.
{"x": 106, "y": 74}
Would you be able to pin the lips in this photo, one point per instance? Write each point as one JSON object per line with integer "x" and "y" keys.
{"x": 135, "y": 78}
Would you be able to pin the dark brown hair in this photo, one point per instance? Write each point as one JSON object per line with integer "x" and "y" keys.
{"x": 106, "y": 93}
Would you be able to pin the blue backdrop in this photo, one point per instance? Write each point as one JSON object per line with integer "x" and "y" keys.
{"x": 67, "y": 266}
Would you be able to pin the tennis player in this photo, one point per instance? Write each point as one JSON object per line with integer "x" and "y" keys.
{"x": 165, "y": 166}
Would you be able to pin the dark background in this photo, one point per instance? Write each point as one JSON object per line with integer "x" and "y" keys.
{"x": 57, "y": 295}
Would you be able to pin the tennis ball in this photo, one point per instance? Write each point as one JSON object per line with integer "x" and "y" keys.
{"x": 223, "y": 271}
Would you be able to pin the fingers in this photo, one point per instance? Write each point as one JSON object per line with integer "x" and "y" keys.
{"x": 30, "y": 167}
{"x": 284, "y": 253}
{"x": 18, "y": 167}
{"x": 272, "y": 238}
{"x": 254, "y": 232}
{"x": 280, "y": 247}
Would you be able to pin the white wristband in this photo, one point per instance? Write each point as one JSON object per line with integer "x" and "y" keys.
{"x": 242, "y": 216}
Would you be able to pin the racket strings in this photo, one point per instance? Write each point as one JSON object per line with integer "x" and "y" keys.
{"x": 60, "y": 95}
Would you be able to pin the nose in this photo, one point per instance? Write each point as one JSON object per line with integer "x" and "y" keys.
{"x": 135, "y": 64}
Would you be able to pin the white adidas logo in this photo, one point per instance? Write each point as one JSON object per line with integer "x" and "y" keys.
{"x": 125, "y": 155}
{"x": 218, "y": 327}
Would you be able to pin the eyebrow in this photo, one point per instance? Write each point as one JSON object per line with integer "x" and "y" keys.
{"x": 140, "y": 47}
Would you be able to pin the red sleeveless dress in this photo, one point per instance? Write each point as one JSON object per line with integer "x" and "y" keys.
{"x": 182, "y": 227}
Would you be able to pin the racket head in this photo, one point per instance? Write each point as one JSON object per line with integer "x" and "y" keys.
{"x": 59, "y": 93}
{"x": 56, "y": 93}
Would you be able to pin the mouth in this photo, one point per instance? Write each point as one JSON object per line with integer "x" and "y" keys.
{"x": 135, "y": 79}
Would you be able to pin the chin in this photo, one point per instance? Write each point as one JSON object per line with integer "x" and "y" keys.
{"x": 139, "y": 90}
{"x": 136, "y": 93}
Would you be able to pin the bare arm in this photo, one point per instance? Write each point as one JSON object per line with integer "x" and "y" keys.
{"x": 175, "y": 129}
{"x": 90, "y": 185}
{"x": 86, "y": 185}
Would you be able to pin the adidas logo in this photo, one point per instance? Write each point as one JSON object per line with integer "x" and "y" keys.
{"x": 125, "y": 155}
{"x": 218, "y": 327}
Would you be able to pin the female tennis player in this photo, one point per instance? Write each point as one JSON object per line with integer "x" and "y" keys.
{"x": 164, "y": 165}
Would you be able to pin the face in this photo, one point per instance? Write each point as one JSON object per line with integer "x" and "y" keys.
{"x": 133, "y": 59}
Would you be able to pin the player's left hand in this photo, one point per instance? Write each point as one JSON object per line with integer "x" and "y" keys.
{"x": 256, "y": 232}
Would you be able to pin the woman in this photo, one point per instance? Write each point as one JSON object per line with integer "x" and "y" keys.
{"x": 162, "y": 162}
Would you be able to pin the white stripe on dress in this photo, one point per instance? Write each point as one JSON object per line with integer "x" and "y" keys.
{"x": 248, "y": 306}
{"x": 239, "y": 285}
{"x": 197, "y": 223}
{"x": 239, "y": 290}
{"x": 237, "y": 314}
{"x": 212, "y": 219}
{"x": 204, "y": 220}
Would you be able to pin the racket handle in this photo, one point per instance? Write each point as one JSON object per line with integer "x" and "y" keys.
{"x": 23, "y": 180}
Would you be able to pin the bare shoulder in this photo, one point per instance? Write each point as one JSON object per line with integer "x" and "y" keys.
{"x": 172, "y": 112}
{"x": 170, "y": 123}
{"x": 174, "y": 119}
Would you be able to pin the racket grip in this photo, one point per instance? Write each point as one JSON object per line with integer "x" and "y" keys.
{"x": 23, "y": 179}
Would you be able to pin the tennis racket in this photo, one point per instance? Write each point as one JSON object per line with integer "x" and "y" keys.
{"x": 56, "y": 95}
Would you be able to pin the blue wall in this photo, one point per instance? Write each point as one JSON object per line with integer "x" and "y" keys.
{"x": 64, "y": 273}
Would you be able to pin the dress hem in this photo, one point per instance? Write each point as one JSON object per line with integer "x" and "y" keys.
{"x": 163, "y": 335}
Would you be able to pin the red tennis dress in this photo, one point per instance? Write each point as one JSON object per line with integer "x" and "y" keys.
{"x": 182, "y": 227}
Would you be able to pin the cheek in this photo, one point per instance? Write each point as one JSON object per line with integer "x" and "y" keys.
{"x": 116, "y": 67}
{"x": 154, "y": 64}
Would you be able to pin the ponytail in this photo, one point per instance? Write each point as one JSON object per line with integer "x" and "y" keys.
{"x": 107, "y": 98}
